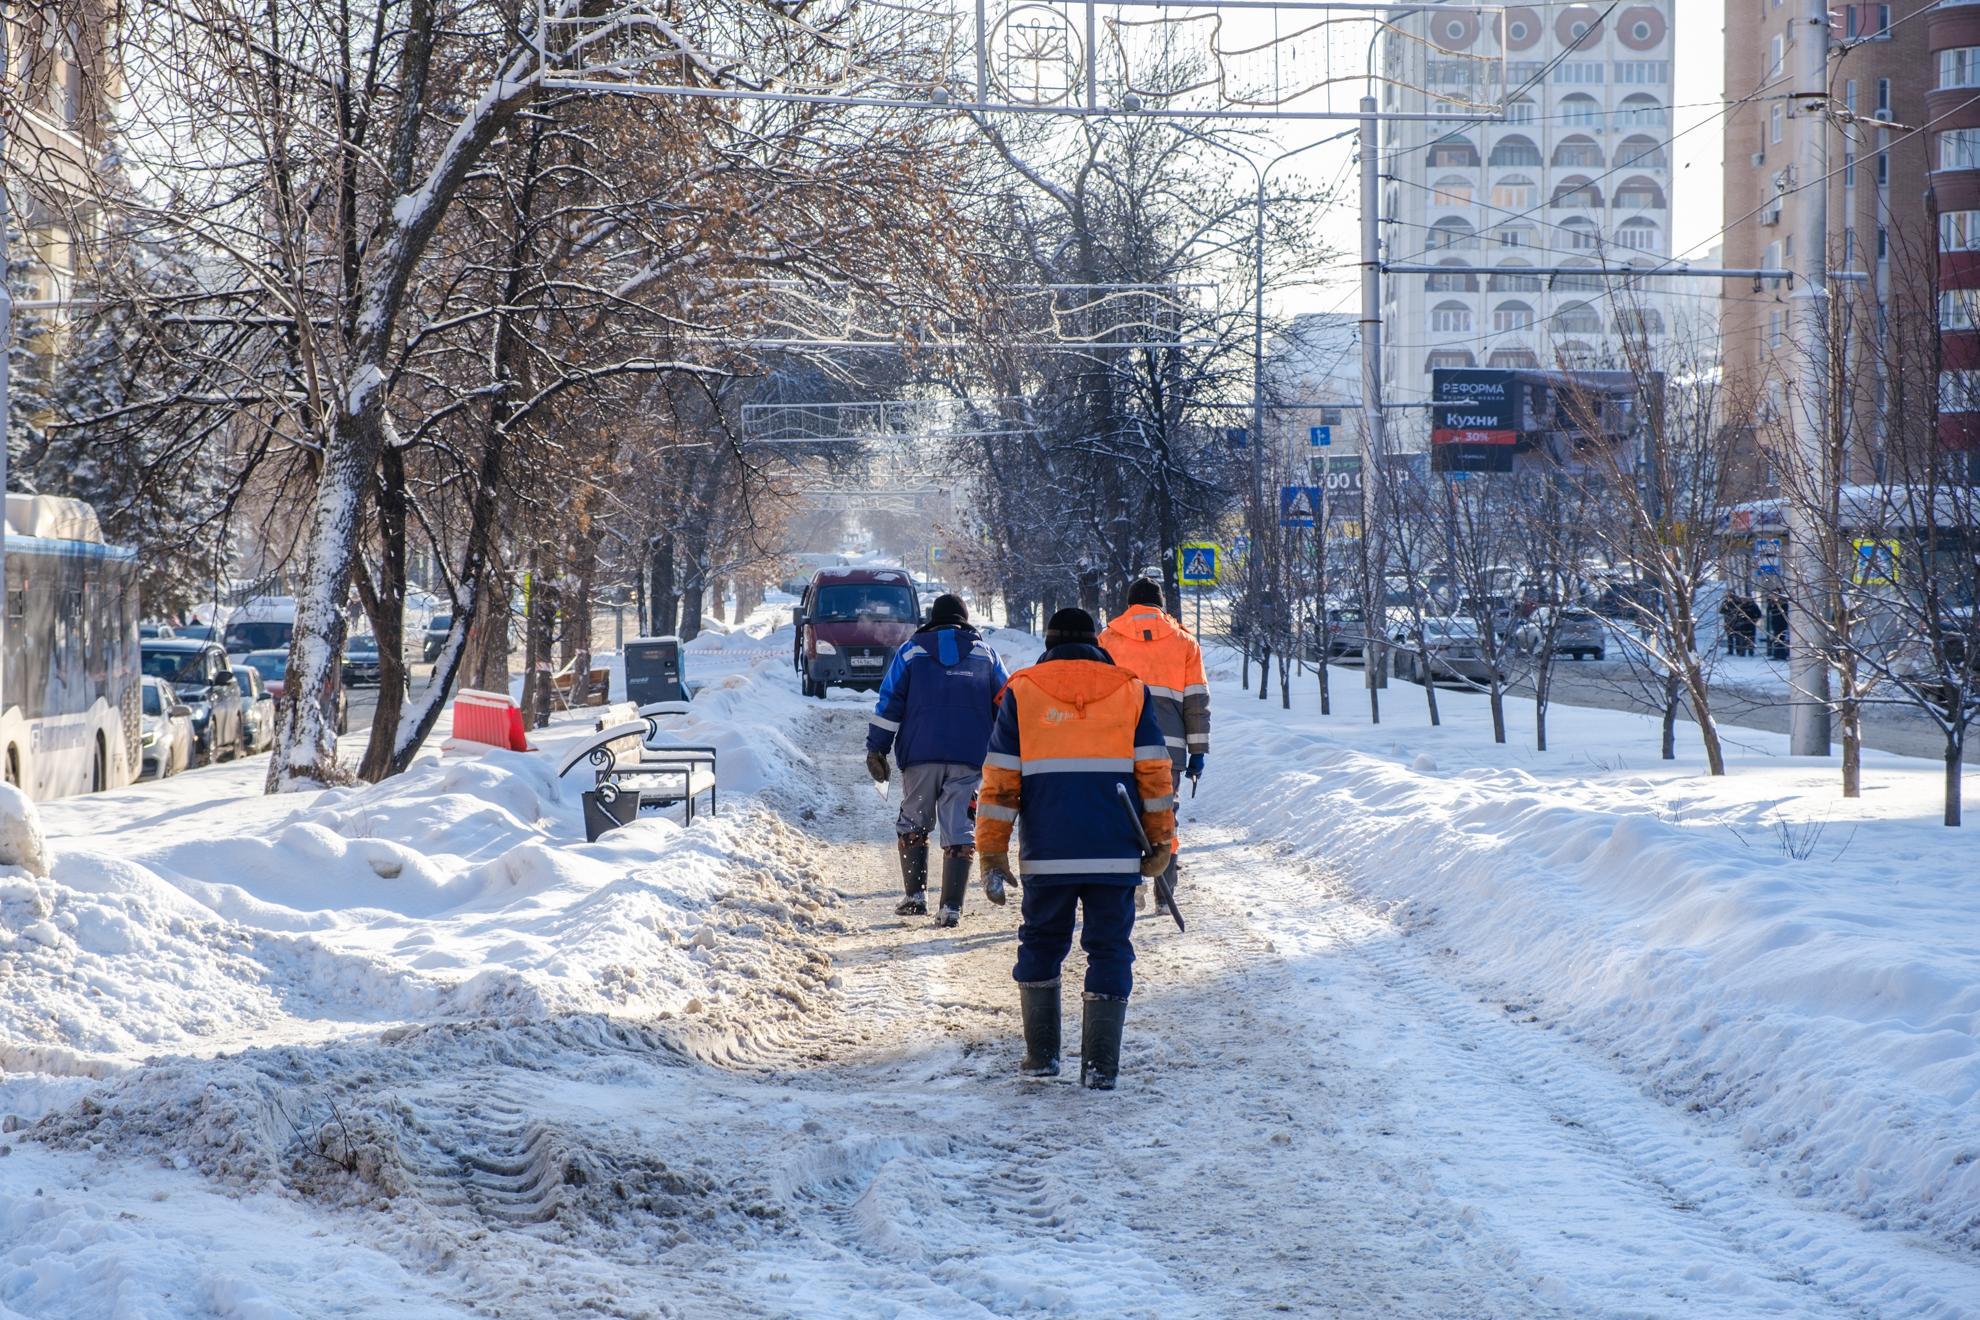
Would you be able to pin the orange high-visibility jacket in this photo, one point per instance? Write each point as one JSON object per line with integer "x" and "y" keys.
{"x": 1071, "y": 730}
{"x": 1151, "y": 645}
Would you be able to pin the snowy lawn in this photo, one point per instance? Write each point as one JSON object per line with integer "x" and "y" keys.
{"x": 1800, "y": 968}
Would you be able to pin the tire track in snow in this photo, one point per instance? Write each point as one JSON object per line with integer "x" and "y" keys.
{"x": 1696, "y": 1187}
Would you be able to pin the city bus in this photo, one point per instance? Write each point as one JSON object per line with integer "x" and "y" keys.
{"x": 70, "y": 687}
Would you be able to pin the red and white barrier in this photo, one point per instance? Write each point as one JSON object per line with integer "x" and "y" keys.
{"x": 487, "y": 719}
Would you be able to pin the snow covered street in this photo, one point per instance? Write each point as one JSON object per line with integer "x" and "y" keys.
{"x": 417, "y": 1049}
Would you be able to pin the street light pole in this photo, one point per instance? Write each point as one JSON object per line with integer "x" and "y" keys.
{"x": 6, "y": 402}
{"x": 1809, "y": 531}
{"x": 1374, "y": 469}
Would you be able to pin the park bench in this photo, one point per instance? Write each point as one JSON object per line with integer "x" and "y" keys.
{"x": 647, "y": 775}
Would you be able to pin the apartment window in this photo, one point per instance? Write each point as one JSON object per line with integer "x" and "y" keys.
{"x": 1959, "y": 231}
{"x": 1883, "y": 168}
{"x": 1515, "y": 151}
{"x": 1450, "y": 318}
{"x": 1449, "y": 361}
{"x": 1776, "y": 117}
{"x": 1959, "y": 309}
{"x": 1581, "y": 235}
{"x": 1511, "y": 318}
{"x": 1773, "y": 329}
{"x": 1849, "y": 95}
{"x": 1578, "y": 318}
{"x": 1520, "y": 111}
{"x": 1959, "y": 149}
{"x": 1959, "y": 391}
{"x": 1451, "y": 190}
{"x": 1515, "y": 236}
{"x": 1776, "y": 55}
{"x": 1510, "y": 279}
{"x": 1643, "y": 72}
{"x": 1581, "y": 110}
{"x": 1638, "y": 234}
{"x": 1883, "y": 242}
{"x": 1523, "y": 73}
{"x": 1883, "y": 98}
{"x": 1641, "y": 111}
{"x": 1959, "y": 67}
{"x": 1579, "y": 73}
{"x": 1515, "y": 193}
{"x": 1849, "y": 169}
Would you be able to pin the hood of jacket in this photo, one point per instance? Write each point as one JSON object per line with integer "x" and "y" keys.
{"x": 1076, "y": 673}
{"x": 1137, "y": 619}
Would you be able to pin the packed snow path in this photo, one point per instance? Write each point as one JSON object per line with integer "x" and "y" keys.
{"x": 1314, "y": 1120}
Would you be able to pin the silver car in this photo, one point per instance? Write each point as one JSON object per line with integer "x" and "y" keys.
{"x": 1447, "y": 648}
{"x": 1577, "y": 633}
{"x": 257, "y": 710}
{"x": 165, "y": 731}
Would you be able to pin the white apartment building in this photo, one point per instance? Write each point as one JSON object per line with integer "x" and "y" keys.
{"x": 1577, "y": 174}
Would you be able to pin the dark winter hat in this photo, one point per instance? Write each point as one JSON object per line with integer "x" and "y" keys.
{"x": 1145, "y": 591}
{"x": 1071, "y": 625}
{"x": 948, "y": 609}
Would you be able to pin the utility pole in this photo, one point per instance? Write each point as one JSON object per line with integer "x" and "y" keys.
{"x": 1813, "y": 479}
{"x": 1374, "y": 467}
{"x": 6, "y": 400}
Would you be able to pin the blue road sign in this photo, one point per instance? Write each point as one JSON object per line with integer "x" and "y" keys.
{"x": 1299, "y": 506}
{"x": 1196, "y": 564}
{"x": 1319, "y": 435}
{"x": 1234, "y": 436}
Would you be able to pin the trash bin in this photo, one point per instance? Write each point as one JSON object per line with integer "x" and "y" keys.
{"x": 653, "y": 671}
{"x": 606, "y": 808}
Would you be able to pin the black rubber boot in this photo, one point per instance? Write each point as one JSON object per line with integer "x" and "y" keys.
{"x": 1100, "y": 1041}
{"x": 914, "y": 876}
{"x": 1039, "y": 1002}
{"x": 955, "y": 882}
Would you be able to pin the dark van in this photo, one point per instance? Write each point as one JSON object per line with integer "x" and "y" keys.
{"x": 850, "y": 623}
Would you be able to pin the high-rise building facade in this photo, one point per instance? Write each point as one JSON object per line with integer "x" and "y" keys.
{"x": 1879, "y": 232}
{"x": 1578, "y": 173}
{"x": 1952, "y": 108}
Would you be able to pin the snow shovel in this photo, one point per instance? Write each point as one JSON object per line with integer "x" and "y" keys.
{"x": 1163, "y": 893}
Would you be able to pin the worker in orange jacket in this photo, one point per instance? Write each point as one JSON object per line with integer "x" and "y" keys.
{"x": 1149, "y": 643}
{"x": 1072, "y": 733}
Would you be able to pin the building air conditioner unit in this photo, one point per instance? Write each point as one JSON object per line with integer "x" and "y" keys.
{"x": 1759, "y": 159}
{"x": 1771, "y": 216}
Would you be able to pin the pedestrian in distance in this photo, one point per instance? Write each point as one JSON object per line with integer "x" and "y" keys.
{"x": 1152, "y": 644}
{"x": 1073, "y": 733}
{"x": 937, "y": 701}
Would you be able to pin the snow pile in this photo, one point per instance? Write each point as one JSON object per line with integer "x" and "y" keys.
{"x": 459, "y": 889}
{"x": 1754, "y": 948}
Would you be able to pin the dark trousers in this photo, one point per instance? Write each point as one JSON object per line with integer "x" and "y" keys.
{"x": 1045, "y": 934}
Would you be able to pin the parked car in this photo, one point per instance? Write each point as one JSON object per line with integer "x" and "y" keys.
{"x": 165, "y": 730}
{"x": 361, "y": 666}
{"x": 261, "y": 634}
{"x": 198, "y": 632}
{"x": 435, "y": 636}
{"x": 154, "y": 632}
{"x": 1579, "y": 633}
{"x": 1347, "y": 634}
{"x": 1448, "y": 647}
{"x": 849, "y": 624}
{"x": 199, "y": 674}
{"x": 273, "y": 666}
{"x": 258, "y": 707}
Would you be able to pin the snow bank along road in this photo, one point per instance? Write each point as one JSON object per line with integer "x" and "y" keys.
{"x": 413, "y": 1050}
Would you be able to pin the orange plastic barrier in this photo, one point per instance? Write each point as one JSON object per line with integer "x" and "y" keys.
{"x": 489, "y": 718}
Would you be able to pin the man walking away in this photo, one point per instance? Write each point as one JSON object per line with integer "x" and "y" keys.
{"x": 936, "y": 704}
{"x": 1148, "y": 642}
{"x": 1071, "y": 731}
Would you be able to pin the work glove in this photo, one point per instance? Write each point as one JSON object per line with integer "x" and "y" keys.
{"x": 1156, "y": 860}
{"x": 996, "y": 871}
{"x": 1195, "y": 768}
{"x": 876, "y": 765}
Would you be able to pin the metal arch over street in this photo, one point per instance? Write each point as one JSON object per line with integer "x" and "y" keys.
{"x": 1259, "y": 59}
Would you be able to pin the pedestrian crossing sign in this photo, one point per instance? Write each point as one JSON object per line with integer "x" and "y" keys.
{"x": 1196, "y": 563}
{"x": 1299, "y": 506}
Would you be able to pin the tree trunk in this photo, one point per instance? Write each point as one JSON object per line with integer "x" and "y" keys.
{"x": 385, "y": 606}
{"x": 1955, "y": 747}
{"x": 1670, "y": 748}
{"x": 1497, "y": 700}
{"x": 1285, "y": 683}
{"x": 1850, "y": 712}
{"x": 691, "y": 601}
{"x": 1542, "y": 689}
{"x": 1264, "y": 667}
{"x": 305, "y": 753}
{"x": 586, "y": 576}
{"x": 666, "y": 596}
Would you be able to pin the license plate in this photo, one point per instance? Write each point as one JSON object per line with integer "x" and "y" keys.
{"x": 867, "y": 661}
